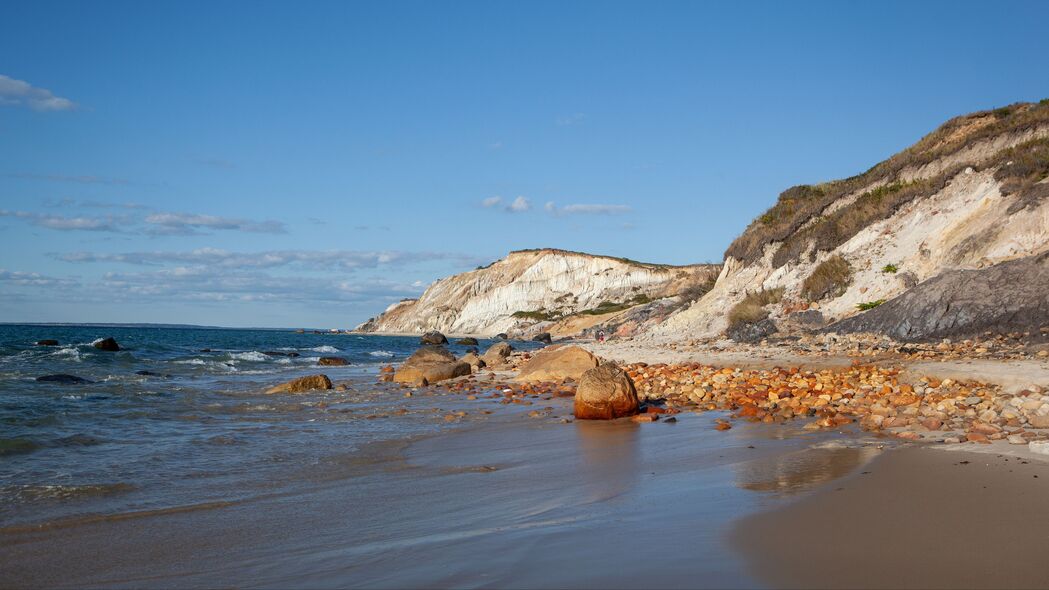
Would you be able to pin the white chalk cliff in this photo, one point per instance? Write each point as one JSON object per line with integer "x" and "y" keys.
{"x": 484, "y": 301}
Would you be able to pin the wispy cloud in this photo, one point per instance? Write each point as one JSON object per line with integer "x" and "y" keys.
{"x": 491, "y": 202}
{"x": 21, "y": 93}
{"x": 586, "y": 209}
{"x": 32, "y": 279}
{"x": 79, "y": 179}
{"x": 192, "y": 223}
{"x": 61, "y": 222}
{"x": 325, "y": 260}
{"x": 519, "y": 205}
{"x": 573, "y": 119}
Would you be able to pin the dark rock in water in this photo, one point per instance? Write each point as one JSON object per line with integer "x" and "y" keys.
{"x": 433, "y": 337}
{"x": 467, "y": 341}
{"x": 47, "y": 342}
{"x": 108, "y": 345}
{"x": 205, "y": 350}
{"x": 151, "y": 374}
{"x": 280, "y": 353}
{"x": 543, "y": 337}
{"x": 1010, "y": 296}
{"x": 302, "y": 384}
{"x": 293, "y": 355}
{"x": 752, "y": 331}
{"x": 501, "y": 336}
{"x": 63, "y": 379}
{"x": 332, "y": 361}
{"x": 473, "y": 350}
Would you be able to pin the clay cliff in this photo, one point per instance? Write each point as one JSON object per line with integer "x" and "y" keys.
{"x": 535, "y": 290}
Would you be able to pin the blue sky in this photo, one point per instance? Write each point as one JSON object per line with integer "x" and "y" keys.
{"x": 306, "y": 164}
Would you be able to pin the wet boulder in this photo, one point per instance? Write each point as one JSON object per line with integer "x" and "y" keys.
{"x": 543, "y": 337}
{"x": 558, "y": 363}
{"x": 107, "y": 344}
{"x": 468, "y": 341}
{"x": 430, "y": 364}
{"x": 605, "y": 393}
{"x": 64, "y": 379}
{"x": 433, "y": 337}
{"x": 332, "y": 361}
{"x": 47, "y": 342}
{"x": 302, "y": 384}
{"x": 501, "y": 336}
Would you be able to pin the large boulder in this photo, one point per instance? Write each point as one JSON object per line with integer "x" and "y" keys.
{"x": 433, "y": 337}
{"x": 605, "y": 393}
{"x": 307, "y": 383}
{"x": 468, "y": 341}
{"x": 108, "y": 345}
{"x": 473, "y": 360}
{"x": 332, "y": 361}
{"x": 543, "y": 337}
{"x": 497, "y": 354}
{"x": 430, "y": 364}
{"x": 557, "y": 363}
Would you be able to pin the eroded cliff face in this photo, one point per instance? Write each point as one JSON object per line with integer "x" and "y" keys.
{"x": 536, "y": 285}
{"x": 971, "y": 195}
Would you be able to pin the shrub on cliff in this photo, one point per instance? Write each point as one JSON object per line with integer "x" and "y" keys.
{"x": 752, "y": 308}
{"x": 829, "y": 279}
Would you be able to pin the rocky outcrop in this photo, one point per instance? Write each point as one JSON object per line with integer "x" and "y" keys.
{"x": 557, "y": 363}
{"x": 107, "y": 344}
{"x": 468, "y": 341}
{"x": 332, "y": 361}
{"x": 543, "y": 337}
{"x": 968, "y": 196}
{"x": 302, "y": 385}
{"x": 605, "y": 393}
{"x": 529, "y": 287}
{"x": 1007, "y": 297}
{"x": 433, "y": 337}
{"x": 63, "y": 379}
{"x": 429, "y": 365}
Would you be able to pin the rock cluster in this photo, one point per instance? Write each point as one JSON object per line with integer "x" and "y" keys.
{"x": 875, "y": 397}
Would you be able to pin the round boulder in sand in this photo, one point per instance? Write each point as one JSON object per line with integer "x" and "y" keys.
{"x": 430, "y": 364}
{"x": 605, "y": 393}
{"x": 557, "y": 363}
{"x": 307, "y": 383}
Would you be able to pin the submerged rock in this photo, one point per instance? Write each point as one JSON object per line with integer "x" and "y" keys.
{"x": 63, "y": 379}
{"x": 108, "y": 345}
{"x": 501, "y": 336}
{"x": 543, "y": 337}
{"x": 430, "y": 364}
{"x": 467, "y": 341}
{"x": 332, "y": 361}
{"x": 557, "y": 363}
{"x": 302, "y": 384}
{"x": 47, "y": 342}
{"x": 433, "y": 337}
{"x": 605, "y": 393}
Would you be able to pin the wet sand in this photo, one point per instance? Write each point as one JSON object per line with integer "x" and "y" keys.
{"x": 913, "y": 518}
{"x": 516, "y": 502}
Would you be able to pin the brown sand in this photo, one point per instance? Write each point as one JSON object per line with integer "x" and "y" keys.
{"x": 913, "y": 518}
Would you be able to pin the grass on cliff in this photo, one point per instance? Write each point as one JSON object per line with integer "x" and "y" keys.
{"x": 752, "y": 308}
{"x": 869, "y": 304}
{"x": 828, "y": 280}
{"x": 799, "y": 205}
{"x": 539, "y": 315}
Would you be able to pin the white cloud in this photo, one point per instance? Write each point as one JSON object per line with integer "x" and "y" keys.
{"x": 491, "y": 202}
{"x": 32, "y": 279}
{"x": 190, "y": 223}
{"x": 60, "y": 222}
{"x": 586, "y": 209}
{"x": 21, "y": 93}
{"x": 519, "y": 204}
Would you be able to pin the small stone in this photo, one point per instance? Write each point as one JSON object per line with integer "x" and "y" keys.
{"x": 1016, "y": 439}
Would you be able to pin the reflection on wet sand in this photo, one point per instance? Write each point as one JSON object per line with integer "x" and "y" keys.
{"x": 610, "y": 457}
{"x": 802, "y": 470}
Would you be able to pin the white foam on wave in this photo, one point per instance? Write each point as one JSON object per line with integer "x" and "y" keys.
{"x": 253, "y": 355}
{"x": 191, "y": 362}
{"x": 70, "y": 351}
{"x": 381, "y": 353}
{"x": 324, "y": 349}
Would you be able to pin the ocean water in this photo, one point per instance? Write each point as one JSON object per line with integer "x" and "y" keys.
{"x": 191, "y": 477}
{"x": 197, "y": 429}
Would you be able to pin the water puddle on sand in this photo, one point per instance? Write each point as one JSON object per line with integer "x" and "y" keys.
{"x": 802, "y": 471}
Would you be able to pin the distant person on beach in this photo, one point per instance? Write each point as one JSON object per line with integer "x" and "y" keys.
{"x": 600, "y": 335}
